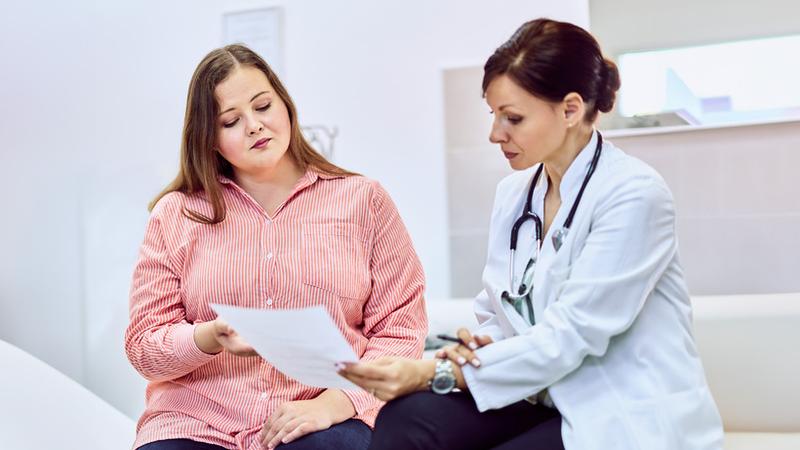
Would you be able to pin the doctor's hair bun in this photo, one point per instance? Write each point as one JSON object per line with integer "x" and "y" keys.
{"x": 607, "y": 93}
{"x": 551, "y": 59}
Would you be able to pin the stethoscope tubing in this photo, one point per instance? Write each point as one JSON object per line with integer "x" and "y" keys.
{"x": 528, "y": 214}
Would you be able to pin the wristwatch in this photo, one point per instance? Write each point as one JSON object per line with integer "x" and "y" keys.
{"x": 444, "y": 380}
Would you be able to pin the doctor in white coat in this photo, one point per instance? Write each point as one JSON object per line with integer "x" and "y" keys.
{"x": 586, "y": 339}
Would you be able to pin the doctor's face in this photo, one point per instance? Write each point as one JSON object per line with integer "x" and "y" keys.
{"x": 529, "y": 130}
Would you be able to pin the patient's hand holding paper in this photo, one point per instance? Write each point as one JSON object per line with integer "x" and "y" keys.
{"x": 304, "y": 344}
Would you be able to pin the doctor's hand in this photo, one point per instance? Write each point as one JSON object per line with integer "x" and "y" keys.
{"x": 463, "y": 353}
{"x": 213, "y": 337}
{"x": 293, "y": 420}
{"x": 390, "y": 377}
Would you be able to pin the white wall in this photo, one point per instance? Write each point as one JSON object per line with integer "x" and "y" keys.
{"x": 92, "y": 104}
{"x": 44, "y": 128}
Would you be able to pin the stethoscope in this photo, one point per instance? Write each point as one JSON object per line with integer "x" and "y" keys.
{"x": 526, "y": 282}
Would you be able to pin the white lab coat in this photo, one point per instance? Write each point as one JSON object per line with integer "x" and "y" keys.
{"x": 612, "y": 342}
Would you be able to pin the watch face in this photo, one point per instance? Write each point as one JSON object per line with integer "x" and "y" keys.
{"x": 443, "y": 383}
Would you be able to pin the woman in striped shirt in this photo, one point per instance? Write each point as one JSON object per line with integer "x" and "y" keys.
{"x": 256, "y": 218}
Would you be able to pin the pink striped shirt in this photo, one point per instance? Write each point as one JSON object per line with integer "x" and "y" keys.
{"x": 336, "y": 241}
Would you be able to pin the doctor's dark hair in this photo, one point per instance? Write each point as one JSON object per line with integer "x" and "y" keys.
{"x": 200, "y": 163}
{"x": 550, "y": 59}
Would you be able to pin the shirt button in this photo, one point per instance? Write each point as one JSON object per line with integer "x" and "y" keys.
{"x": 269, "y": 255}
{"x": 264, "y": 396}
{"x": 268, "y": 221}
{"x": 269, "y": 302}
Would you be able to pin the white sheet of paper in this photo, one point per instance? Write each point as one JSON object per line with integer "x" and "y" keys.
{"x": 304, "y": 344}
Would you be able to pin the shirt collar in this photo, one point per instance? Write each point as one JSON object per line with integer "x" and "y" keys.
{"x": 326, "y": 176}
{"x": 309, "y": 177}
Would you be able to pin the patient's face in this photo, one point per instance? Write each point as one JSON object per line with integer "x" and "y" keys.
{"x": 253, "y": 127}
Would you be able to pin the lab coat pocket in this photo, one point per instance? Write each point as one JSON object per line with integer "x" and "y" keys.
{"x": 336, "y": 259}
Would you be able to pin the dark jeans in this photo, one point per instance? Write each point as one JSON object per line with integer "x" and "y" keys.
{"x": 350, "y": 434}
{"x": 429, "y": 421}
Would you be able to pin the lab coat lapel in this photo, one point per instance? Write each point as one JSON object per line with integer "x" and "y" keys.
{"x": 553, "y": 267}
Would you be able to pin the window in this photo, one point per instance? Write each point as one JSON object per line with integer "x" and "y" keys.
{"x": 714, "y": 84}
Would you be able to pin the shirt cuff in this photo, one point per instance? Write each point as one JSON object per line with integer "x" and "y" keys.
{"x": 480, "y": 389}
{"x": 362, "y": 401}
{"x": 185, "y": 348}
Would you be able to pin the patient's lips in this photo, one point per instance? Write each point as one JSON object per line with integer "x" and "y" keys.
{"x": 261, "y": 143}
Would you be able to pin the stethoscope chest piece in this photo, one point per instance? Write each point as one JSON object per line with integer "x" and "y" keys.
{"x": 558, "y": 237}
